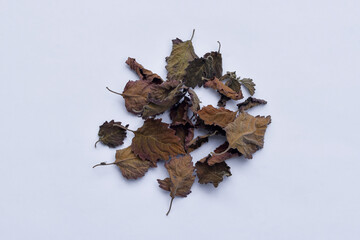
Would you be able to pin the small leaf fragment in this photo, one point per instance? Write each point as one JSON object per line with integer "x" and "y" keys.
{"x": 181, "y": 172}
{"x": 155, "y": 140}
{"x": 250, "y": 102}
{"x": 212, "y": 174}
{"x": 222, "y": 154}
{"x": 143, "y": 73}
{"x": 249, "y": 84}
{"x": 223, "y": 89}
{"x": 216, "y": 116}
{"x": 110, "y": 135}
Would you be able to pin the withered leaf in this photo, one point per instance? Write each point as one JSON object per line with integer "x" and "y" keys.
{"x": 215, "y": 61}
{"x": 181, "y": 172}
{"x": 182, "y": 53}
{"x": 155, "y": 140}
{"x": 195, "y": 101}
{"x": 246, "y": 133}
{"x": 222, "y": 154}
{"x": 223, "y": 89}
{"x": 250, "y": 103}
{"x": 110, "y": 135}
{"x": 197, "y": 69}
{"x": 198, "y": 142}
{"x": 130, "y": 165}
{"x": 136, "y": 94}
{"x": 212, "y": 174}
{"x": 249, "y": 84}
{"x": 179, "y": 113}
{"x": 163, "y": 97}
{"x": 185, "y": 133}
{"x": 234, "y": 85}
{"x": 143, "y": 73}
{"x": 216, "y": 116}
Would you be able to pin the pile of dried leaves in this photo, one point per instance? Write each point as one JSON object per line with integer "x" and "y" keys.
{"x": 156, "y": 140}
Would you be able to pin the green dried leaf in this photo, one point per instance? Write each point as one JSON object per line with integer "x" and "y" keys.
{"x": 249, "y": 84}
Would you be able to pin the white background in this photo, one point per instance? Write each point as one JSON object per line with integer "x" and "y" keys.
{"x": 57, "y": 57}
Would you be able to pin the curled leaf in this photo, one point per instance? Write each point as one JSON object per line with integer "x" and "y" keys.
{"x": 155, "y": 140}
{"x": 222, "y": 154}
{"x": 182, "y": 53}
{"x": 246, "y": 133}
{"x": 249, "y": 84}
{"x": 110, "y": 135}
{"x": 250, "y": 103}
{"x": 195, "y": 101}
{"x": 143, "y": 73}
{"x": 198, "y": 142}
{"x": 212, "y": 174}
{"x": 234, "y": 85}
{"x": 223, "y": 89}
{"x": 216, "y": 116}
{"x": 181, "y": 172}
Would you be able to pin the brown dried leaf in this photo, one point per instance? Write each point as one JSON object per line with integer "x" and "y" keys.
{"x": 220, "y": 154}
{"x": 234, "y": 85}
{"x": 143, "y": 73}
{"x": 246, "y": 133}
{"x": 179, "y": 113}
{"x": 181, "y": 179}
{"x": 155, "y": 140}
{"x": 185, "y": 133}
{"x": 250, "y": 103}
{"x": 182, "y": 53}
{"x": 195, "y": 101}
{"x": 212, "y": 174}
{"x": 136, "y": 95}
{"x": 223, "y": 89}
{"x": 198, "y": 142}
{"x": 110, "y": 135}
{"x": 215, "y": 61}
{"x": 197, "y": 69}
{"x": 162, "y": 98}
{"x": 249, "y": 84}
{"x": 216, "y": 116}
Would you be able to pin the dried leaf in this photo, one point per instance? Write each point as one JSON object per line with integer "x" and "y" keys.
{"x": 198, "y": 142}
{"x": 250, "y": 103}
{"x": 185, "y": 133}
{"x": 155, "y": 140}
{"x": 182, "y": 53}
{"x": 216, "y": 116}
{"x": 223, "y": 153}
{"x": 215, "y": 61}
{"x": 234, "y": 85}
{"x": 223, "y": 89}
{"x": 136, "y": 94}
{"x": 197, "y": 69}
{"x": 246, "y": 133}
{"x": 143, "y": 73}
{"x": 195, "y": 101}
{"x": 212, "y": 174}
{"x": 249, "y": 84}
{"x": 110, "y": 135}
{"x": 181, "y": 179}
{"x": 179, "y": 113}
{"x": 162, "y": 98}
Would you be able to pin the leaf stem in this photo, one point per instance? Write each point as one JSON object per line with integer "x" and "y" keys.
{"x": 219, "y": 46}
{"x": 172, "y": 198}
{"x": 125, "y": 128}
{"x": 97, "y": 142}
{"x": 216, "y": 154}
{"x": 113, "y": 91}
{"x": 104, "y": 164}
{"x": 192, "y": 34}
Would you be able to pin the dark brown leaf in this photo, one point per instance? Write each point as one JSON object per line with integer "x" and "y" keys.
{"x": 198, "y": 142}
{"x": 212, "y": 174}
{"x": 215, "y": 61}
{"x": 179, "y": 113}
{"x": 197, "y": 69}
{"x": 221, "y": 155}
{"x": 110, "y": 135}
{"x": 195, "y": 101}
{"x": 136, "y": 95}
{"x": 250, "y": 103}
{"x": 143, "y": 73}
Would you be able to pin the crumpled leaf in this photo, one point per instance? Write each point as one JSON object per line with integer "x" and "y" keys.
{"x": 182, "y": 53}
{"x": 212, "y": 174}
{"x": 222, "y": 154}
{"x": 223, "y": 89}
{"x": 215, "y": 61}
{"x": 234, "y": 85}
{"x": 163, "y": 97}
{"x": 249, "y": 84}
{"x": 181, "y": 172}
{"x": 198, "y": 142}
{"x": 246, "y": 133}
{"x": 136, "y": 94}
{"x": 143, "y": 73}
{"x": 195, "y": 101}
{"x": 185, "y": 133}
{"x": 216, "y": 116}
{"x": 179, "y": 113}
{"x": 155, "y": 140}
{"x": 110, "y": 135}
{"x": 250, "y": 103}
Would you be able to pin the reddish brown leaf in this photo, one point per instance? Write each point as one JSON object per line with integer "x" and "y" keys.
{"x": 212, "y": 174}
{"x": 250, "y": 103}
{"x": 179, "y": 113}
{"x": 221, "y": 155}
{"x": 223, "y": 89}
{"x": 198, "y": 142}
{"x": 110, "y": 135}
{"x": 181, "y": 179}
{"x": 155, "y": 140}
{"x": 216, "y": 116}
{"x": 143, "y": 73}
{"x": 136, "y": 95}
